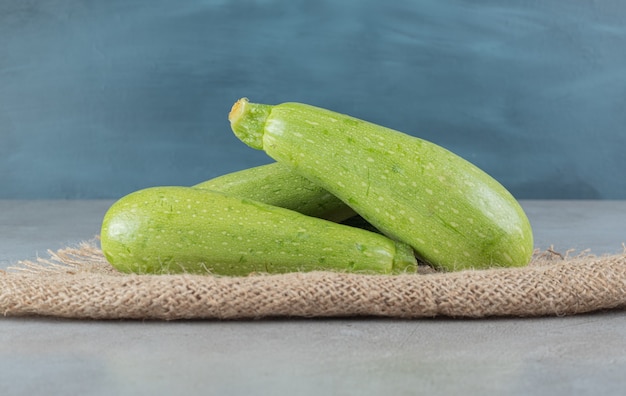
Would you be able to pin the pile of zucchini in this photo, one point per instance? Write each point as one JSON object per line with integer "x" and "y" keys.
{"x": 418, "y": 200}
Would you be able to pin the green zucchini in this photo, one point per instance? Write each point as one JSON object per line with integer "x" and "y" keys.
{"x": 189, "y": 230}
{"x": 451, "y": 212}
{"x": 276, "y": 184}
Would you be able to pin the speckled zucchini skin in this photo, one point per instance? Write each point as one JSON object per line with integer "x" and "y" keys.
{"x": 451, "y": 212}
{"x": 183, "y": 229}
{"x": 277, "y": 184}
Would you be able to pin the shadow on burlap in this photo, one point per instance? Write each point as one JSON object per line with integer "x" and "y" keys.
{"x": 79, "y": 283}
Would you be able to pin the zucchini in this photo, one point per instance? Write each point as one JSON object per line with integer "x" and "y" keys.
{"x": 172, "y": 229}
{"x": 452, "y": 213}
{"x": 276, "y": 184}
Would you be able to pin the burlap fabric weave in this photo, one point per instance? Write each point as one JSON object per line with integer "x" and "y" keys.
{"x": 79, "y": 283}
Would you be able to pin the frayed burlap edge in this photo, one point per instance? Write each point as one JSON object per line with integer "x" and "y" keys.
{"x": 78, "y": 283}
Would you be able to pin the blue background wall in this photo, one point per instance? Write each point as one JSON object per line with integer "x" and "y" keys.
{"x": 100, "y": 98}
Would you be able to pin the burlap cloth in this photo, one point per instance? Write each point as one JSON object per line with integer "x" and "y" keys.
{"x": 79, "y": 283}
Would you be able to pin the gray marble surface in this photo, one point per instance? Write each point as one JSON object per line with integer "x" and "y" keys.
{"x": 575, "y": 355}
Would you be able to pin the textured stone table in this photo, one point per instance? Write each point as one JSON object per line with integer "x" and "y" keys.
{"x": 583, "y": 354}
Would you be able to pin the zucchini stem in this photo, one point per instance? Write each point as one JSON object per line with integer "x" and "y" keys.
{"x": 247, "y": 121}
